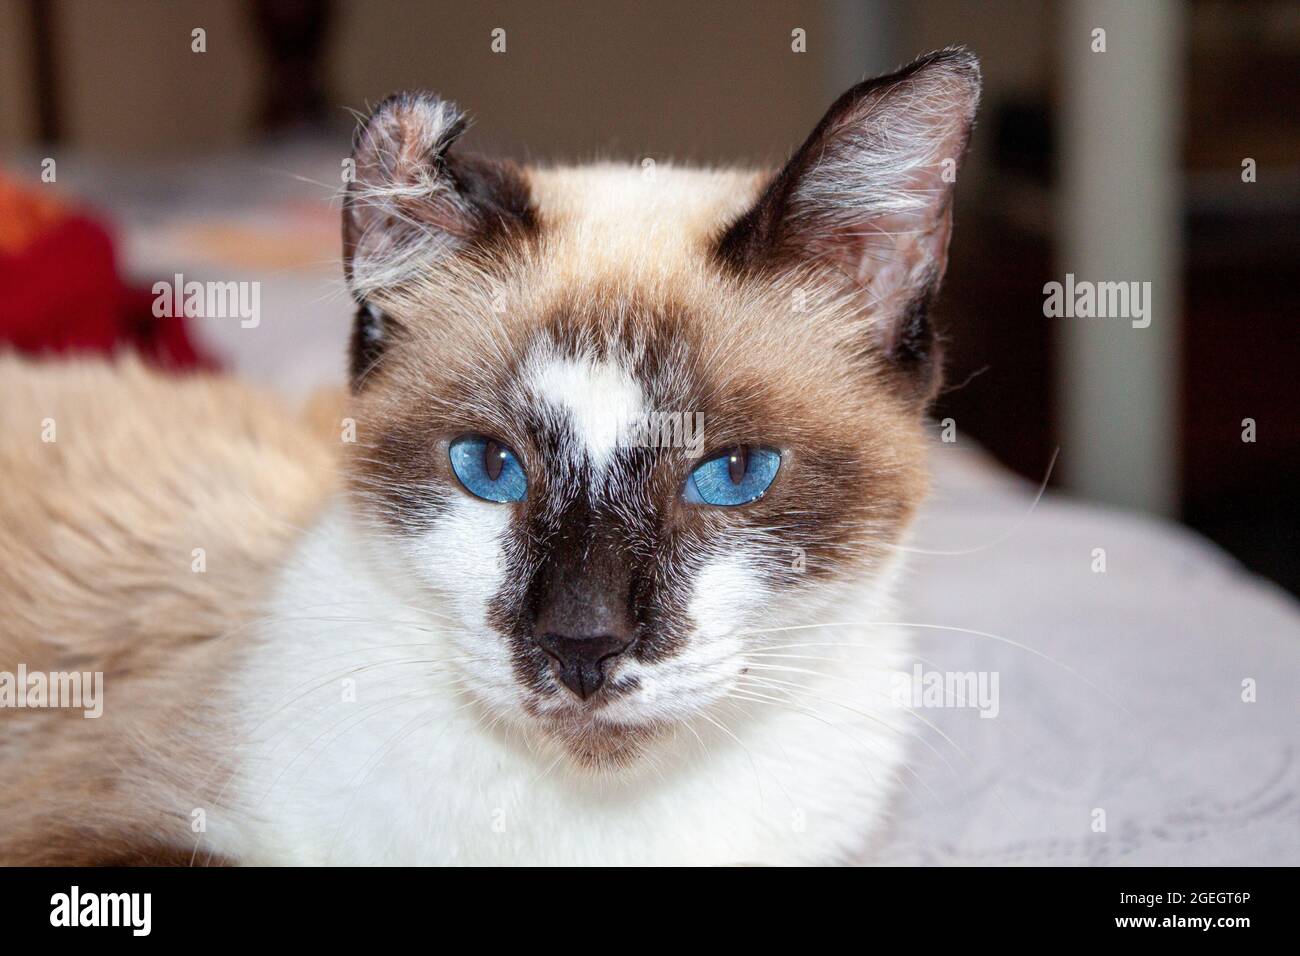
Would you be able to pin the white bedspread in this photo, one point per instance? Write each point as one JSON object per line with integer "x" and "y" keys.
{"x": 1127, "y": 696}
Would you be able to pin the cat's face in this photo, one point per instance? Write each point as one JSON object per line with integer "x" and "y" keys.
{"x": 617, "y": 422}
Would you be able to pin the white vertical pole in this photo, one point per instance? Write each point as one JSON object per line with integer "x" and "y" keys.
{"x": 1119, "y": 220}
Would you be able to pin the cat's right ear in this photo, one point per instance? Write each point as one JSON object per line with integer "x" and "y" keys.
{"x": 868, "y": 200}
{"x": 414, "y": 201}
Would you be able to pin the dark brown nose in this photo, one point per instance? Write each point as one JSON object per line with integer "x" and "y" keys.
{"x": 582, "y": 599}
{"x": 580, "y": 662}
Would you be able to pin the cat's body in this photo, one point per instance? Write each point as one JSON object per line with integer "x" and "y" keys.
{"x": 114, "y": 476}
{"x": 516, "y": 631}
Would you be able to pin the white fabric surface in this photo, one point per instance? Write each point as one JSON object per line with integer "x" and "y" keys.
{"x": 1138, "y": 713}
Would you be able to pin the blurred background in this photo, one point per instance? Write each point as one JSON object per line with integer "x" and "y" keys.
{"x": 142, "y": 138}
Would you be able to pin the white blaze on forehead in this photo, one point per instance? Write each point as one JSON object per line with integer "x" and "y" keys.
{"x": 600, "y": 399}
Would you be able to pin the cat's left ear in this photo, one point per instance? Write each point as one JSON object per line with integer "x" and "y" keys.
{"x": 869, "y": 195}
{"x": 415, "y": 200}
{"x": 415, "y": 197}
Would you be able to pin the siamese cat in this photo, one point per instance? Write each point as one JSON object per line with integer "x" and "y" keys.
{"x": 595, "y": 571}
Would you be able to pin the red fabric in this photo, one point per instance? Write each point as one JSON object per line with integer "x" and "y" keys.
{"x": 60, "y": 293}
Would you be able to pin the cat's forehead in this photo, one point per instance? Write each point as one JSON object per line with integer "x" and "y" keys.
{"x": 649, "y": 217}
{"x": 614, "y": 368}
{"x": 585, "y": 356}
{"x": 618, "y": 263}
{"x": 618, "y": 273}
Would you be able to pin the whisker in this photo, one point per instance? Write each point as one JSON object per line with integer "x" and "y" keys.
{"x": 753, "y": 766}
{"x": 1042, "y": 488}
{"x": 789, "y": 705}
{"x": 791, "y": 687}
{"x": 935, "y": 627}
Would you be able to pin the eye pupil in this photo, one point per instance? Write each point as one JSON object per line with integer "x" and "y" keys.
{"x": 738, "y": 465}
{"x": 494, "y": 459}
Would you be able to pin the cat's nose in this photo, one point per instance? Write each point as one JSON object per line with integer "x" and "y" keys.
{"x": 581, "y": 662}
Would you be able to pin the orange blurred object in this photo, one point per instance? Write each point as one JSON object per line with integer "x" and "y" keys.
{"x": 24, "y": 215}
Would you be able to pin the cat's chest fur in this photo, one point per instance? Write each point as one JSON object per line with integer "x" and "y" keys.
{"x": 362, "y": 747}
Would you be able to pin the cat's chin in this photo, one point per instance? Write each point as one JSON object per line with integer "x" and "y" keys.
{"x": 597, "y": 745}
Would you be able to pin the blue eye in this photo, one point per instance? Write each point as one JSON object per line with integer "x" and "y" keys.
{"x": 737, "y": 477}
{"x": 488, "y": 469}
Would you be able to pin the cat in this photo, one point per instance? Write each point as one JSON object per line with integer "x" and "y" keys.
{"x": 518, "y": 615}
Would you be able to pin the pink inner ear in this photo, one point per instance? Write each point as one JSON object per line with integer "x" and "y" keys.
{"x": 876, "y": 199}
{"x": 402, "y": 168}
{"x": 868, "y": 186}
{"x": 415, "y": 200}
{"x": 403, "y": 208}
{"x": 897, "y": 259}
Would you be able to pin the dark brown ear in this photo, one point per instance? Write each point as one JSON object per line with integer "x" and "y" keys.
{"x": 869, "y": 195}
{"x": 413, "y": 201}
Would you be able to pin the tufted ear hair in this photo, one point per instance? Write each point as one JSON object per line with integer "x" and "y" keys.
{"x": 413, "y": 201}
{"x": 869, "y": 195}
